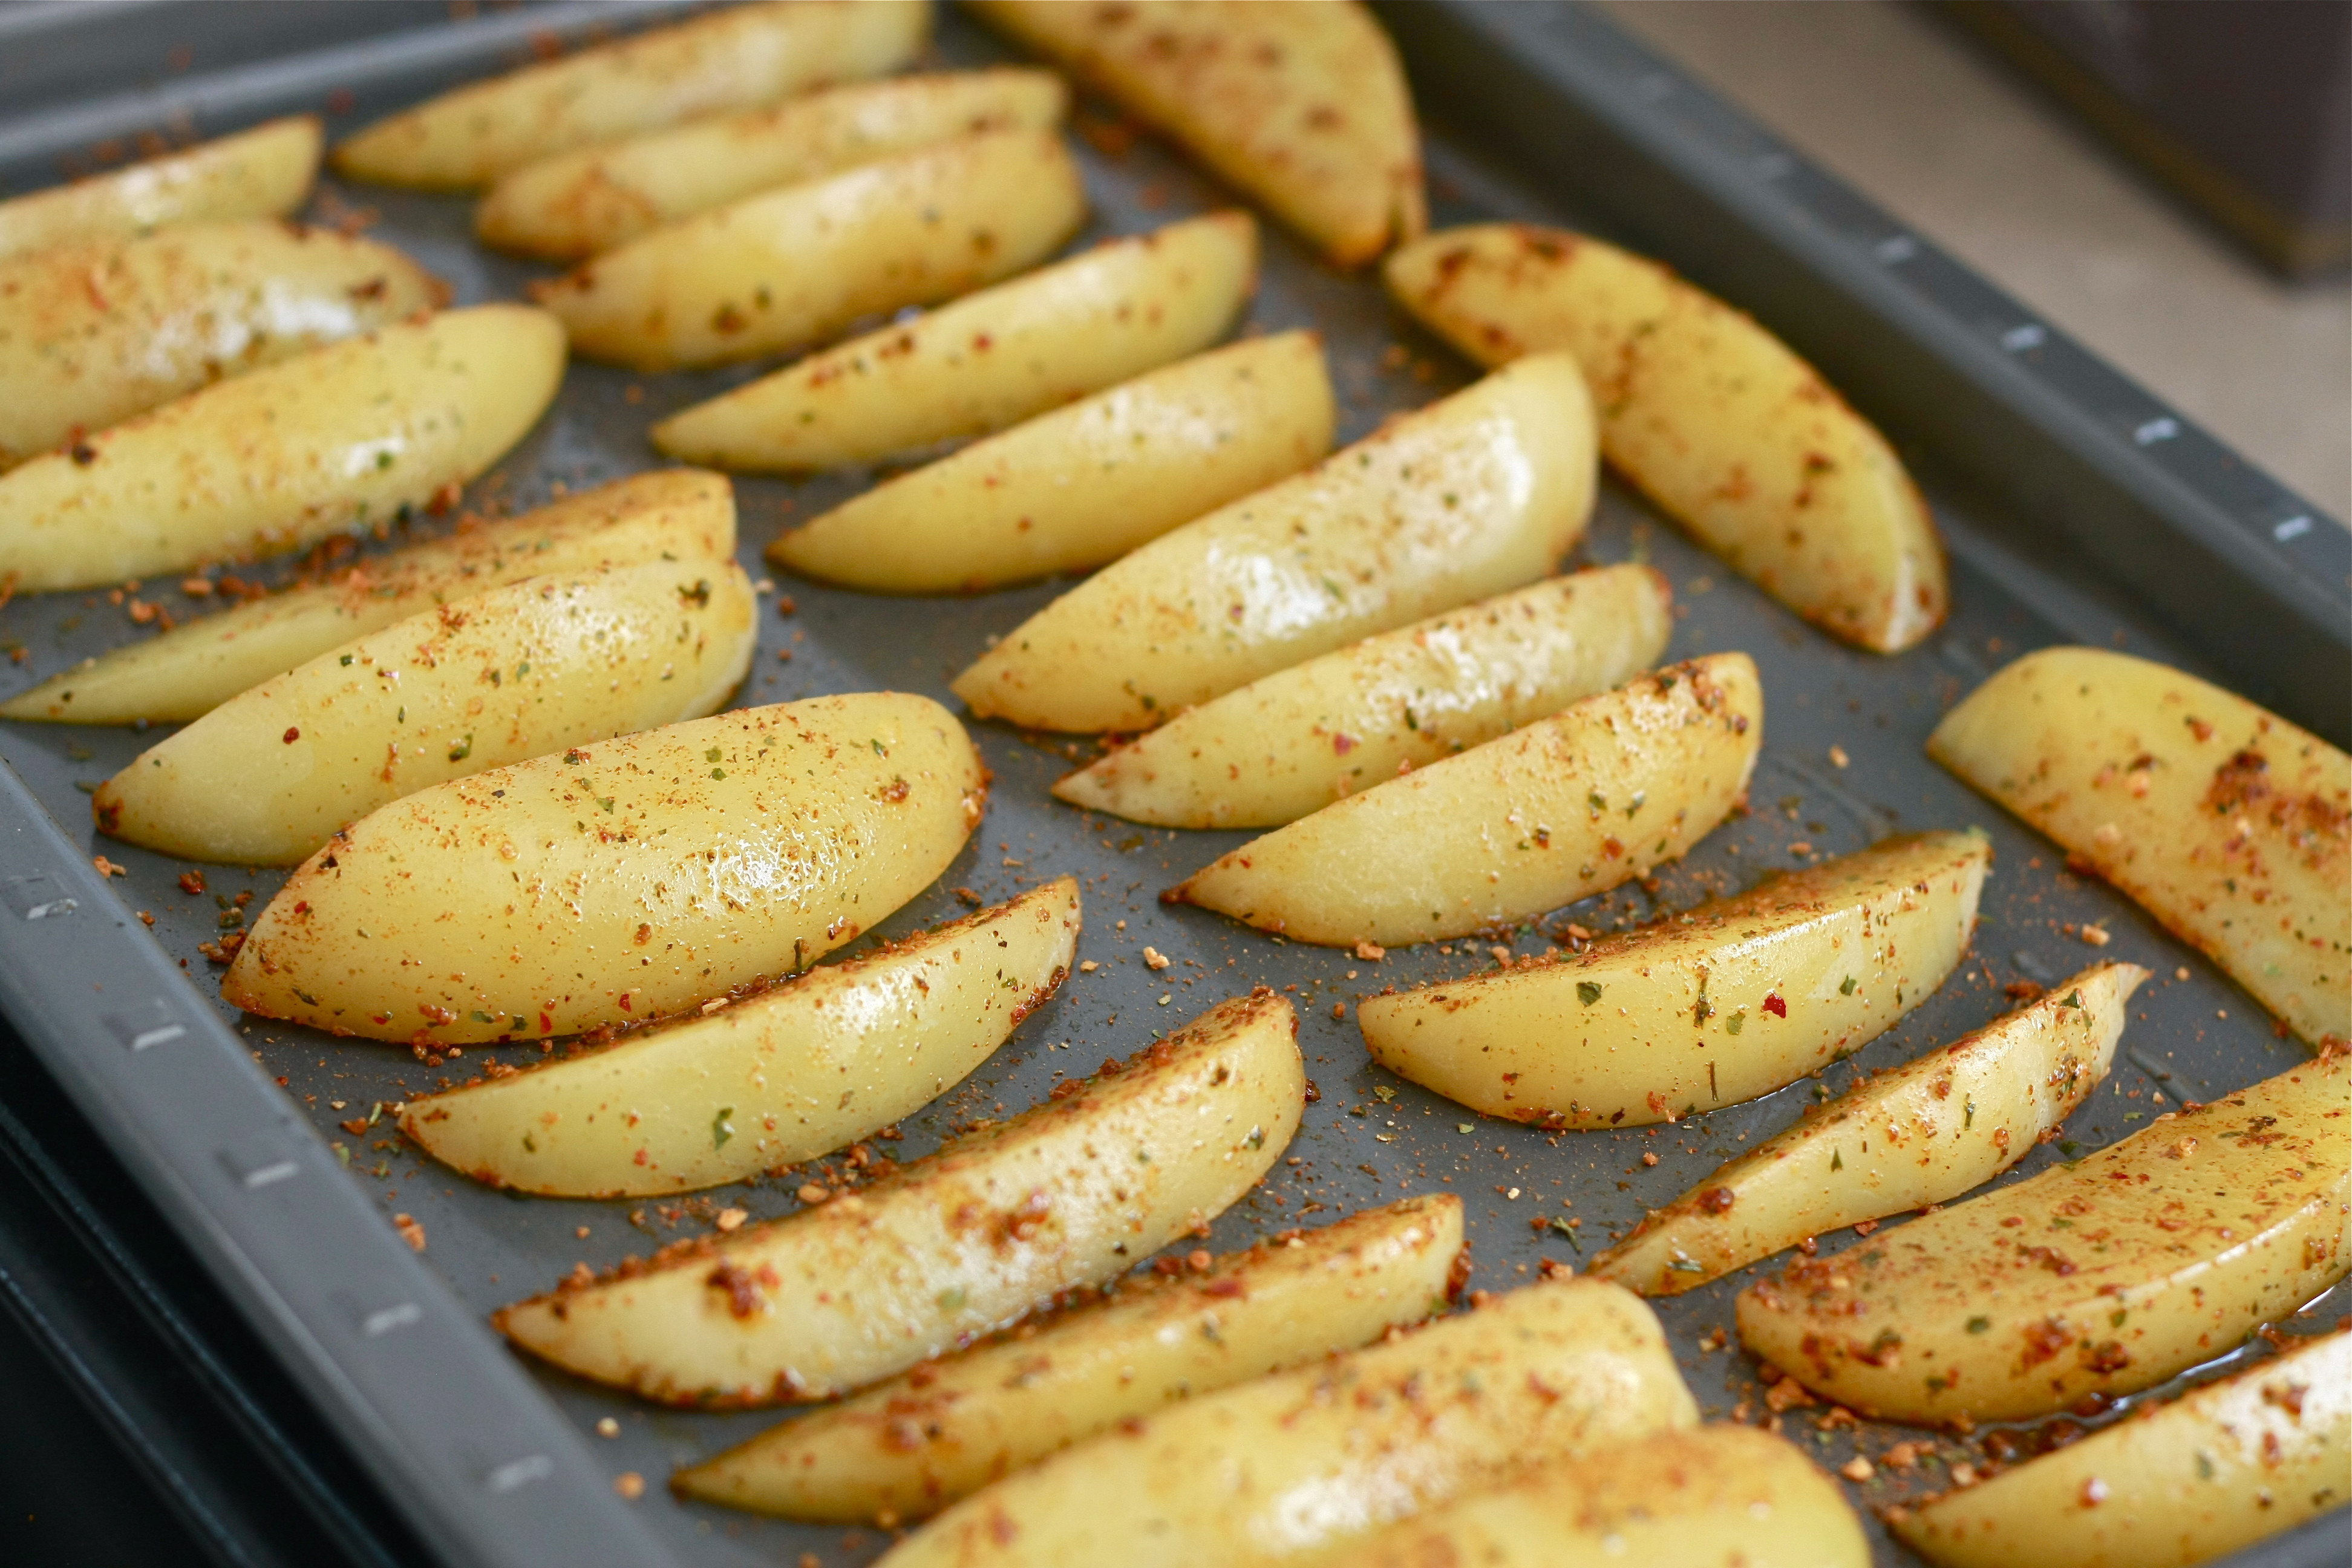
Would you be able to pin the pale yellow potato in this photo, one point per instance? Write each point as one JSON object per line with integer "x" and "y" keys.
{"x": 1707, "y": 412}
{"x": 768, "y": 1079}
{"x": 1302, "y": 1460}
{"x": 265, "y": 172}
{"x": 907, "y": 1448}
{"x": 732, "y": 58}
{"x": 1304, "y": 107}
{"x": 675, "y": 514}
{"x": 1476, "y": 494}
{"x": 990, "y": 360}
{"x": 2105, "y": 1275}
{"x": 279, "y": 457}
{"x": 620, "y": 881}
{"x": 1083, "y": 485}
{"x": 2227, "y": 823}
{"x": 1299, "y": 739}
{"x": 792, "y": 267}
{"x": 1948, "y": 1121}
{"x": 1072, "y": 1192}
{"x": 576, "y": 204}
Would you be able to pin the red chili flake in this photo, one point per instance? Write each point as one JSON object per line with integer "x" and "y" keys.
{"x": 292, "y": 734}
{"x": 1774, "y": 1005}
{"x": 1343, "y": 745}
{"x": 1717, "y": 1200}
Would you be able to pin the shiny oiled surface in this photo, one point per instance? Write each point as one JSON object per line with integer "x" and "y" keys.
{"x": 265, "y": 172}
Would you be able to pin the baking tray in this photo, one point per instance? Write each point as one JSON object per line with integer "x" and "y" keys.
{"x": 2077, "y": 509}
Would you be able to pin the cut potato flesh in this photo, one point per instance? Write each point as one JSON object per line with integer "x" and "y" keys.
{"x": 1476, "y": 494}
{"x": 988, "y": 361}
{"x": 771, "y": 1079}
{"x": 2103, "y": 1276}
{"x": 1709, "y": 414}
{"x": 262, "y": 173}
{"x": 2227, "y": 823}
{"x": 1070, "y": 1193}
{"x": 919, "y": 1442}
{"x": 1297, "y": 740}
{"x": 621, "y": 882}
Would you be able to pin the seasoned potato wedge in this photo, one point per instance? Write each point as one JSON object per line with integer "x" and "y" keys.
{"x": 2105, "y": 1275}
{"x": 1301, "y": 738}
{"x": 262, "y": 173}
{"x": 1149, "y": 454}
{"x": 792, "y": 267}
{"x": 734, "y": 58}
{"x": 1653, "y": 1025}
{"x": 1950, "y": 1120}
{"x": 715, "y": 853}
{"x": 988, "y": 361}
{"x": 918, "y": 1443}
{"x": 1478, "y": 493}
{"x": 1709, "y": 414}
{"x": 2230, "y": 824}
{"x": 1304, "y": 107}
{"x": 773, "y": 1079}
{"x": 279, "y": 457}
{"x": 952, "y": 1247}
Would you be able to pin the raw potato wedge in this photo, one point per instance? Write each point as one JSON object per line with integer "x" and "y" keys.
{"x": 732, "y": 58}
{"x": 1949, "y": 1121}
{"x": 1276, "y": 1468}
{"x": 281, "y": 457}
{"x": 2227, "y": 823}
{"x": 1707, "y": 413}
{"x": 1507, "y": 829}
{"x": 1304, "y": 107}
{"x": 262, "y": 173}
{"x": 988, "y": 361}
{"x": 792, "y": 267}
{"x": 2170, "y": 1486}
{"x": 2107, "y": 1275}
{"x": 715, "y": 853}
{"x": 1146, "y": 456}
{"x": 575, "y": 204}
{"x": 1473, "y": 495}
{"x": 1069, "y": 1192}
{"x": 1297, "y": 740}
{"x": 1703, "y": 1010}
{"x": 677, "y": 514}
{"x": 774, "y": 1077}
{"x": 914, "y": 1445}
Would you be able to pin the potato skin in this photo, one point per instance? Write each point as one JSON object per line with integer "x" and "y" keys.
{"x": 265, "y": 172}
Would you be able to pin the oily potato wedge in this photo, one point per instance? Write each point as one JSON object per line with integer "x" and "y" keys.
{"x": 712, "y": 853}
{"x": 1069, "y": 1192}
{"x": 1707, "y": 413}
{"x": 1081, "y": 485}
{"x": 1510, "y": 828}
{"x": 990, "y": 360}
{"x": 1949, "y": 1121}
{"x": 1476, "y": 494}
{"x": 265, "y": 172}
{"x": 1299, "y": 739}
{"x": 910, "y": 1446}
{"x": 281, "y": 457}
{"x": 2227, "y": 823}
{"x": 2106, "y": 1275}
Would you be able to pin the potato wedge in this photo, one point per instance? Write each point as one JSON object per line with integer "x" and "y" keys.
{"x": 577, "y": 204}
{"x": 265, "y": 172}
{"x": 776, "y": 1078}
{"x": 789, "y": 268}
{"x": 717, "y": 852}
{"x": 1299, "y": 739}
{"x": 732, "y": 58}
{"x": 1301, "y": 1460}
{"x": 1707, "y": 413}
{"x": 988, "y": 361}
{"x": 2227, "y": 823}
{"x": 1152, "y": 454}
{"x": 281, "y": 457}
{"x": 1478, "y": 493}
{"x": 912, "y": 1446}
{"x": 1304, "y": 107}
{"x": 1069, "y": 1192}
{"x": 1950, "y": 1120}
{"x": 2105, "y": 1275}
